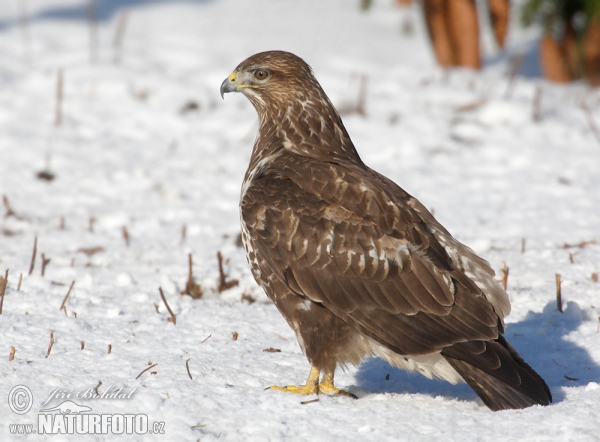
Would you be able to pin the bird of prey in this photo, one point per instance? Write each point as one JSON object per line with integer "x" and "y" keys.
{"x": 356, "y": 265}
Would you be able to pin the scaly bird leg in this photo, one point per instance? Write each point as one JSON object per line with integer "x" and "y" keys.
{"x": 326, "y": 385}
{"x": 313, "y": 386}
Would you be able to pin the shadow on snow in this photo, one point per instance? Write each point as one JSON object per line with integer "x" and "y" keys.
{"x": 541, "y": 339}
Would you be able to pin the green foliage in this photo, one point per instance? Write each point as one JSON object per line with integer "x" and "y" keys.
{"x": 552, "y": 15}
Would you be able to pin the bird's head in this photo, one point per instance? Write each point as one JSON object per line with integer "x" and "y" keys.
{"x": 273, "y": 78}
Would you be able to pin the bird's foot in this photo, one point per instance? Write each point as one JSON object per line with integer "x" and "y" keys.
{"x": 325, "y": 388}
{"x": 328, "y": 388}
{"x": 297, "y": 389}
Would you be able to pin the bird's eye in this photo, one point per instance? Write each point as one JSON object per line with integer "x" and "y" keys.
{"x": 260, "y": 74}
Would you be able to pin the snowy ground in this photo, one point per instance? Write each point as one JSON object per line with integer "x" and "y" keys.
{"x": 127, "y": 154}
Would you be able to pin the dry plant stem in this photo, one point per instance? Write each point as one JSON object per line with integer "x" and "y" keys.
{"x": 59, "y": 98}
{"x": 51, "y": 343}
{"x": 11, "y": 356}
{"x": 3, "y": 283}
{"x": 146, "y": 369}
{"x": 523, "y": 245}
{"x": 125, "y": 235}
{"x": 45, "y": 262}
{"x": 119, "y": 33}
{"x": 206, "y": 339}
{"x": 97, "y": 387}
{"x": 20, "y": 281}
{"x": 33, "y": 256}
{"x": 223, "y": 283}
{"x": 64, "y": 301}
{"x": 558, "y": 293}
{"x": 109, "y": 348}
{"x": 504, "y": 271}
{"x": 9, "y": 211}
{"x": 183, "y": 233}
{"x": 162, "y": 295}
{"x": 309, "y": 402}
{"x": 187, "y": 367}
{"x": 82, "y": 345}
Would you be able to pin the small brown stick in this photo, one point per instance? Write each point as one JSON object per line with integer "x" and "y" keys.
{"x": 191, "y": 288}
{"x": 3, "y": 283}
{"x": 59, "y": 98}
{"x": 20, "y": 281}
{"x": 33, "y": 255}
{"x": 125, "y": 235}
{"x": 97, "y": 387}
{"x": 187, "y": 366}
{"x": 581, "y": 245}
{"x": 173, "y": 317}
{"x": 11, "y": 355}
{"x": 537, "y": 104}
{"x": 272, "y": 350}
{"x": 119, "y": 33}
{"x": 590, "y": 120}
{"x": 206, "y": 339}
{"x": 558, "y": 293}
{"x": 64, "y": 301}
{"x": 571, "y": 258}
{"x": 51, "y": 343}
{"x": 82, "y": 345}
{"x": 523, "y": 244}
{"x": 9, "y": 210}
{"x": 594, "y": 276}
{"x": 234, "y": 336}
{"x": 223, "y": 283}
{"x": 45, "y": 262}
{"x": 310, "y": 402}
{"x": 109, "y": 348}
{"x": 183, "y": 233}
{"x": 146, "y": 369}
{"x": 504, "y": 271}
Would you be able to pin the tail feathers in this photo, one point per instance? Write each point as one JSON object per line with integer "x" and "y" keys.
{"x": 499, "y": 376}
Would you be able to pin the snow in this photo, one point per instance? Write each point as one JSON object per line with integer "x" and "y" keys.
{"x": 125, "y": 154}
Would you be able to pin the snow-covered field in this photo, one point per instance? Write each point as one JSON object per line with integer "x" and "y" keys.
{"x": 147, "y": 145}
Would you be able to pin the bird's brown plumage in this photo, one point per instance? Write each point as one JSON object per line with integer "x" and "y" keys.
{"x": 355, "y": 264}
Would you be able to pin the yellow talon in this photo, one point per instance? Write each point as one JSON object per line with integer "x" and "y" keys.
{"x": 302, "y": 389}
{"x": 330, "y": 389}
{"x": 313, "y": 386}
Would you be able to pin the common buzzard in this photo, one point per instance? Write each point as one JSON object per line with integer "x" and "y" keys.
{"x": 357, "y": 266}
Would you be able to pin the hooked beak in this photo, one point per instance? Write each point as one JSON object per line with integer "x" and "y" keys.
{"x": 229, "y": 85}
